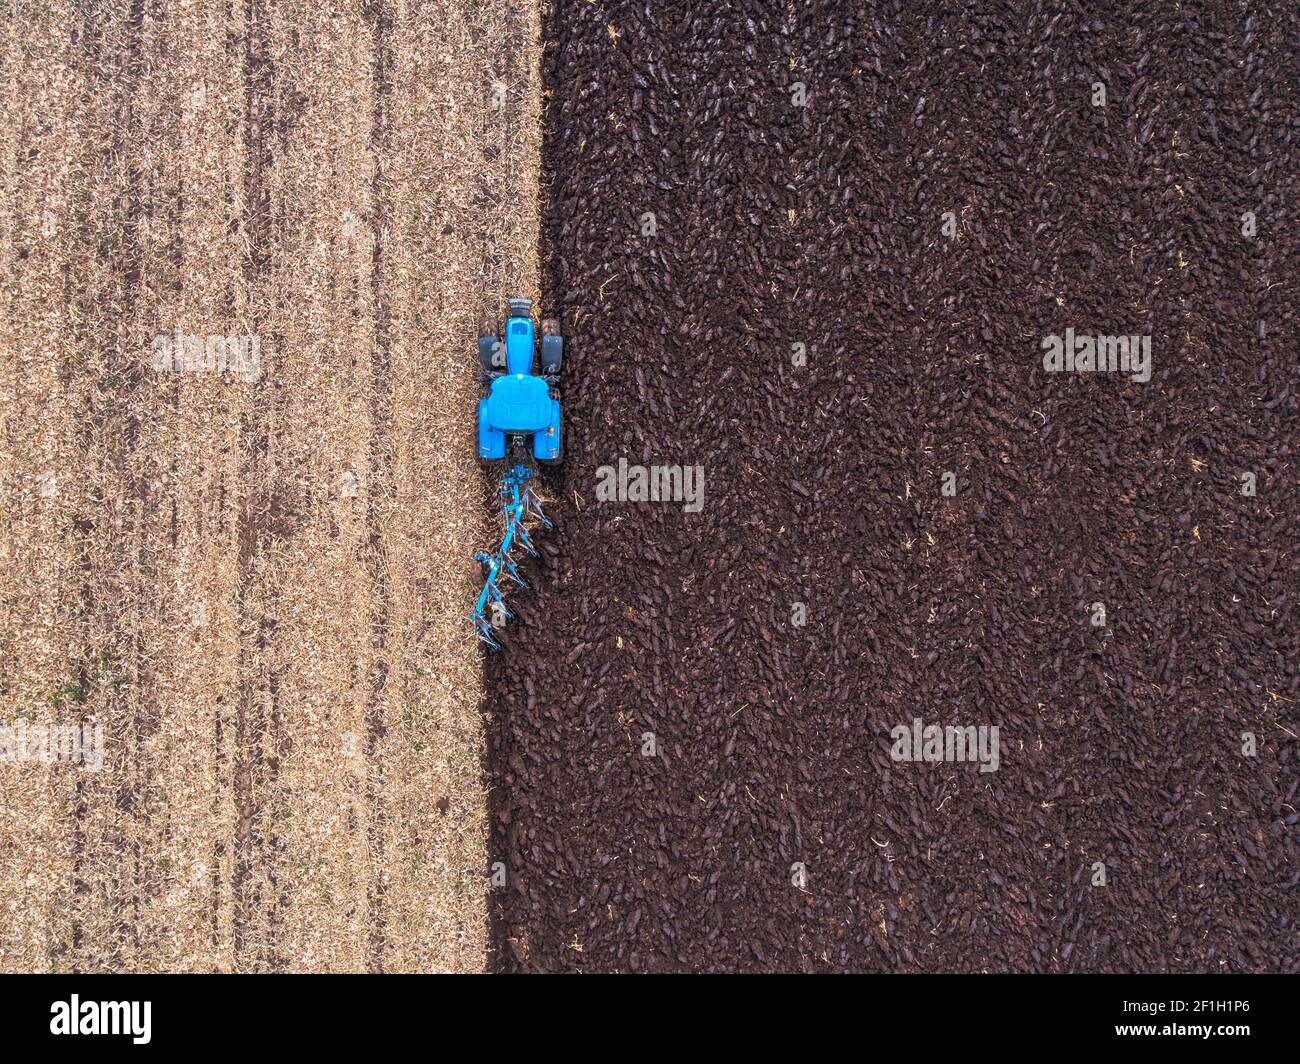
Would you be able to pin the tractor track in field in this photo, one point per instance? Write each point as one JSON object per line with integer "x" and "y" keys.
{"x": 821, "y": 225}
{"x": 380, "y": 474}
{"x": 255, "y": 712}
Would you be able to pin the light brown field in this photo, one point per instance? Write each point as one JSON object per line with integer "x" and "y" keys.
{"x": 258, "y": 590}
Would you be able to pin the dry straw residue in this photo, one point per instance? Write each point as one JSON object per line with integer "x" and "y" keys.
{"x": 257, "y": 587}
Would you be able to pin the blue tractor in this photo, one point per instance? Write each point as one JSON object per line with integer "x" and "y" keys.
{"x": 520, "y": 406}
{"x": 518, "y": 425}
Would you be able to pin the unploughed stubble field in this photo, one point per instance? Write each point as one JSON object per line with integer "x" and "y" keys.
{"x": 253, "y": 579}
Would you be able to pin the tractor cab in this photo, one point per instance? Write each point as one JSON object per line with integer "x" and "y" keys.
{"x": 521, "y": 403}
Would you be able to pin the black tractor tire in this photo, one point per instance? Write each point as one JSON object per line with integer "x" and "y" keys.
{"x": 552, "y": 354}
{"x": 491, "y": 351}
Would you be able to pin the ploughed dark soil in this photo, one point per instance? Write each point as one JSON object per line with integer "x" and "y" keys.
{"x": 822, "y": 225}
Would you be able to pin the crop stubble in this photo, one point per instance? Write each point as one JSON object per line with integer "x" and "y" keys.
{"x": 257, "y": 590}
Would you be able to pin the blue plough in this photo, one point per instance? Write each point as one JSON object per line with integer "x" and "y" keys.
{"x": 518, "y": 501}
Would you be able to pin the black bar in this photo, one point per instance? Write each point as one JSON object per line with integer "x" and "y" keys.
{"x": 299, "y": 1013}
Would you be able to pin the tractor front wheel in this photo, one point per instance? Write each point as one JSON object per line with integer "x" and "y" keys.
{"x": 552, "y": 348}
{"x": 491, "y": 352}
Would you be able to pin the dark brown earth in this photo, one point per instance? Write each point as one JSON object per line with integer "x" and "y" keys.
{"x": 822, "y": 225}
